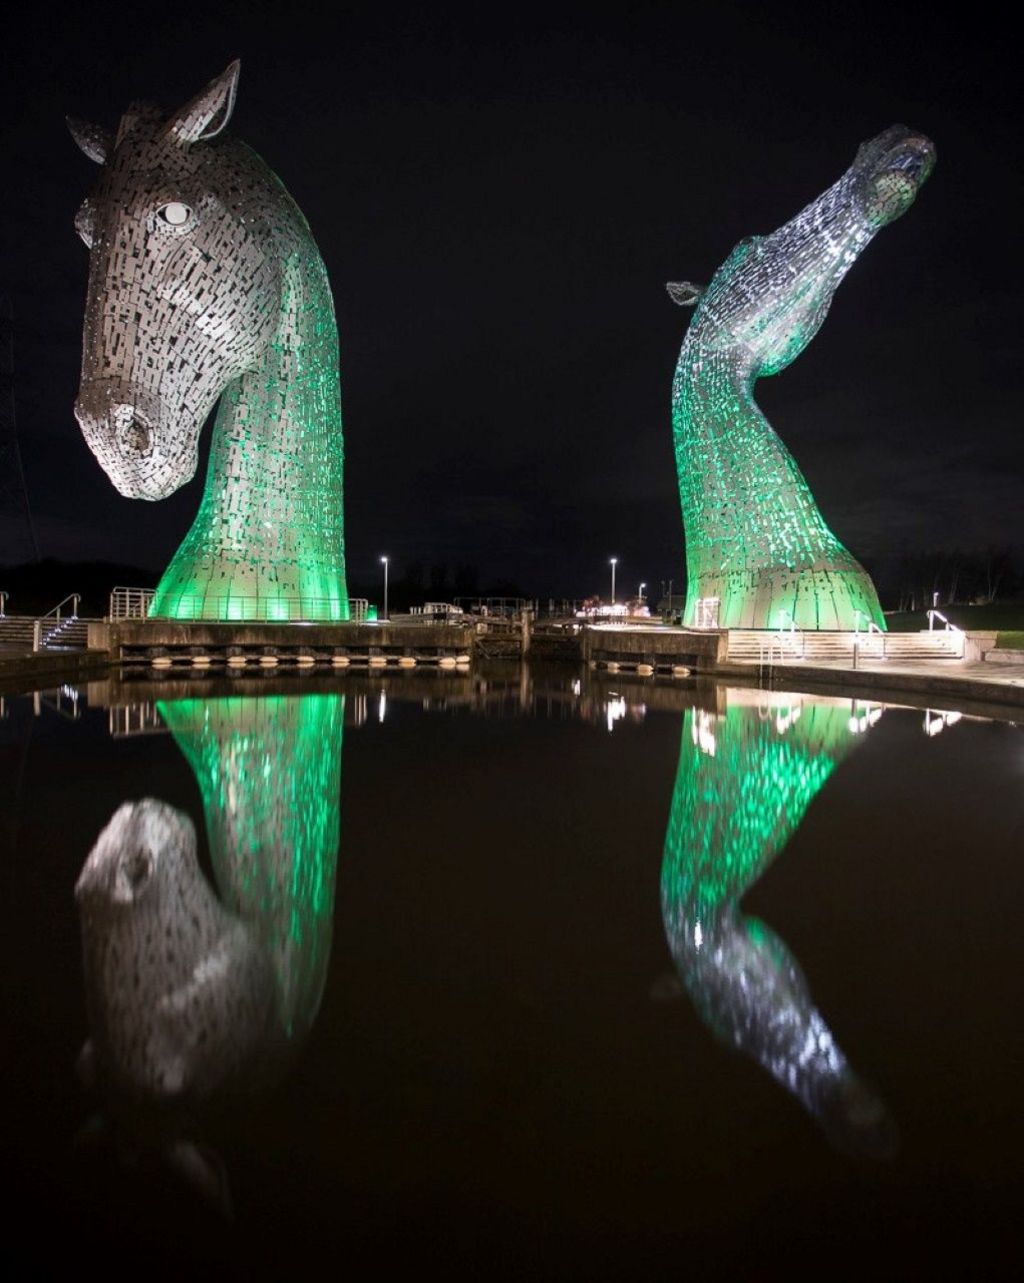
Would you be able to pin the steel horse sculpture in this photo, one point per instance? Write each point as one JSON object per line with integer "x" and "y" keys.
{"x": 205, "y": 283}
{"x": 758, "y": 552}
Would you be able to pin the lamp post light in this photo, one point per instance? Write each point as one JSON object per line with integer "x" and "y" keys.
{"x": 640, "y": 593}
{"x": 613, "y": 561}
{"x": 384, "y": 562}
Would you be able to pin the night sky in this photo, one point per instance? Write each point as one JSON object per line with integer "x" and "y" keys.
{"x": 499, "y": 196}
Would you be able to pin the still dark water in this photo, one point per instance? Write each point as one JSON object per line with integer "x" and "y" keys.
{"x": 600, "y": 980}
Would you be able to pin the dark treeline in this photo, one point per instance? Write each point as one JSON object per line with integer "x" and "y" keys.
{"x": 906, "y": 581}
{"x": 947, "y": 577}
{"x": 37, "y": 586}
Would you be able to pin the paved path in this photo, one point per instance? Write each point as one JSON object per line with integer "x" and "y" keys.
{"x": 977, "y": 680}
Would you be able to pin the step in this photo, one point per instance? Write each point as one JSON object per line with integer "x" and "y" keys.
{"x": 751, "y": 645}
{"x": 16, "y": 630}
{"x": 69, "y": 634}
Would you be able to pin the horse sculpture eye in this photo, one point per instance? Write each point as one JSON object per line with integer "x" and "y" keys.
{"x": 174, "y": 214}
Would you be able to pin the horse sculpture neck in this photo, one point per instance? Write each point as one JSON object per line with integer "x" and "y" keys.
{"x": 755, "y": 538}
{"x": 268, "y": 539}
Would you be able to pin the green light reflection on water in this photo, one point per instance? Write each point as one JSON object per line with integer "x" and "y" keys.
{"x": 743, "y": 786}
{"x": 269, "y": 773}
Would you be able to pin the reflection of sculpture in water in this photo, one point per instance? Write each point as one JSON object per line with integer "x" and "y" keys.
{"x": 755, "y": 540}
{"x": 743, "y": 785}
{"x": 189, "y": 993}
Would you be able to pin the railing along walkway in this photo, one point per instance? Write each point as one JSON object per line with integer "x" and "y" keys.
{"x": 59, "y": 629}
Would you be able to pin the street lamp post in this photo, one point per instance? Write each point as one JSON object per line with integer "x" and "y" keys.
{"x": 384, "y": 561}
{"x": 640, "y": 593}
{"x": 613, "y": 561}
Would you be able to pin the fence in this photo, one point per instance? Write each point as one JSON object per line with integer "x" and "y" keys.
{"x": 130, "y": 603}
{"x": 135, "y": 603}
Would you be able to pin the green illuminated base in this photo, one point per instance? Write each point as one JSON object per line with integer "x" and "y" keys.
{"x": 777, "y": 597}
{"x": 274, "y": 608}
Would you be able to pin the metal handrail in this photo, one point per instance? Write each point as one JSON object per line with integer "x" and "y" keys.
{"x": 765, "y": 654}
{"x": 130, "y": 603}
{"x": 793, "y": 631}
{"x": 937, "y": 614}
{"x": 872, "y": 627}
{"x": 950, "y": 627}
{"x": 55, "y": 610}
{"x": 135, "y": 603}
{"x": 38, "y": 639}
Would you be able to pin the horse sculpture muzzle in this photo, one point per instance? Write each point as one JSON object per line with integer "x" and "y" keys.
{"x": 894, "y": 165}
{"x": 123, "y": 425}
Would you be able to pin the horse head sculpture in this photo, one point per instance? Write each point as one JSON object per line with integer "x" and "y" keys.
{"x": 205, "y": 283}
{"x": 771, "y": 296}
{"x": 183, "y": 294}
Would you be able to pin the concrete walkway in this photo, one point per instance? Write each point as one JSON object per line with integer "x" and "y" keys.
{"x": 943, "y": 678}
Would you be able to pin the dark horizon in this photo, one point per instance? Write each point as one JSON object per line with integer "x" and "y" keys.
{"x": 499, "y": 208}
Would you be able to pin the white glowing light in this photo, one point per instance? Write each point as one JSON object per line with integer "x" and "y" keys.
{"x": 783, "y": 721}
{"x": 616, "y": 710}
{"x": 703, "y": 733}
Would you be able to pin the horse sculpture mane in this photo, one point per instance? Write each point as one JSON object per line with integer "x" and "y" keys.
{"x": 205, "y": 283}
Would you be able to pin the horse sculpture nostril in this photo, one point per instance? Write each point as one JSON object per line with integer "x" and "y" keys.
{"x": 133, "y": 436}
{"x": 141, "y": 437}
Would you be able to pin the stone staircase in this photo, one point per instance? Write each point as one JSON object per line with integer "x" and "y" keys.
{"x": 16, "y": 630}
{"x": 749, "y": 646}
{"x": 71, "y": 633}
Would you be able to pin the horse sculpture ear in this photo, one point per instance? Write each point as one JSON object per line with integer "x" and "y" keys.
{"x": 96, "y": 142}
{"x": 685, "y": 293}
{"x": 208, "y": 112}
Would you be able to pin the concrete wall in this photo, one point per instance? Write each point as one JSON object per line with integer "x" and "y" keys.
{"x": 703, "y": 649}
{"x": 172, "y": 634}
